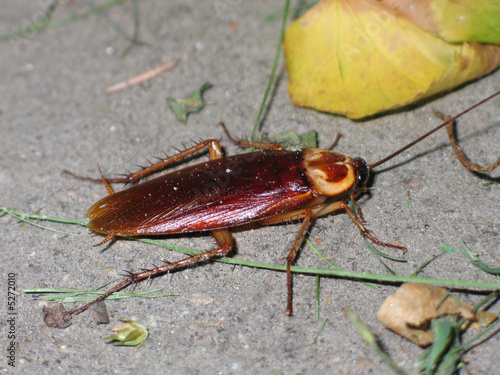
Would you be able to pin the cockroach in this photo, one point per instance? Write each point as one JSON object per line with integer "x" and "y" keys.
{"x": 267, "y": 186}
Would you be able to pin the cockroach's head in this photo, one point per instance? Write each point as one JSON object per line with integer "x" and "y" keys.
{"x": 363, "y": 172}
{"x": 332, "y": 174}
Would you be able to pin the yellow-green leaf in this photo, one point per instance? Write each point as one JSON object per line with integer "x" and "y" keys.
{"x": 465, "y": 20}
{"x": 452, "y": 20}
{"x": 358, "y": 58}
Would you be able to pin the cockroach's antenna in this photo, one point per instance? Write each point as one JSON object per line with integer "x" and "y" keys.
{"x": 451, "y": 119}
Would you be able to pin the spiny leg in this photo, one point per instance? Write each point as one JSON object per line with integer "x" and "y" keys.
{"x": 214, "y": 151}
{"x": 316, "y": 211}
{"x": 290, "y": 258}
{"x": 266, "y": 145}
{"x": 335, "y": 141}
{"x": 358, "y": 209}
{"x": 241, "y": 143}
{"x": 224, "y": 239}
{"x": 306, "y": 215}
{"x": 326, "y": 208}
{"x": 365, "y": 231}
{"x": 109, "y": 189}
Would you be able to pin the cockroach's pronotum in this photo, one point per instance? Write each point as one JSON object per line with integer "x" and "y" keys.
{"x": 268, "y": 186}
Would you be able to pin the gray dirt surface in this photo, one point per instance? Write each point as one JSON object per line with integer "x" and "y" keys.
{"x": 226, "y": 319}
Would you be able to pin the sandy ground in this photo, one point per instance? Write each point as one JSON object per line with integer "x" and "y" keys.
{"x": 226, "y": 319}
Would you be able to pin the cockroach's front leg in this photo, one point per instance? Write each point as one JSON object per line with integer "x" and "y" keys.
{"x": 222, "y": 236}
{"x": 324, "y": 209}
{"x": 306, "y": 215}
{"x": 214, "y": 152}
{"x": 365, "y": 232}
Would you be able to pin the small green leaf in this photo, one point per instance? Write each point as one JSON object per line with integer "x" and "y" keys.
{"x": 129, "y": 334}
{"x": 448, "y": 249}
{"x": 291, "y": 140}
{"x": 192, "y": 103}
{"x": 476, "y": 261}
{"x": 296, "y": 141}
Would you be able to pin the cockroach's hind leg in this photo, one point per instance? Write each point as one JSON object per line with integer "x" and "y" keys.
{"x": 366, "y": 232}
{"x": 462, "y": 158}
{"x": 108, "y": 238}
{"x": 241, "y": 143}
{"x": 102, "y": 297}
{"x": 222, "y": 236}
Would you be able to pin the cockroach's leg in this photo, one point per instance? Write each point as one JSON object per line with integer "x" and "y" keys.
{"x": 222, "y": 236}
{"x": 462, "y": 158}
{"x": 266, "y": 145}
{"x": 214, "y": 150}
{"x": 290, "y": 258}
{"x": 358, "y": 209}
{"x": 335, "y": 141}
{"x": 108, "y": 238}
{"x": 365, "y": 231}
{"x": 306, "y": 214}
{"x": 241, "y": 143}
{"x": 109, "y": 189}
{"x": 283, "y": 218}
{"x": 316, "y": 211}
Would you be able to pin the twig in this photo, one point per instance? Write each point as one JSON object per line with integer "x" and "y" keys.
{"x": 141, "y": 77}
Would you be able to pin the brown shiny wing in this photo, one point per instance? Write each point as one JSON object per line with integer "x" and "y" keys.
{"x": 216, "y": 194}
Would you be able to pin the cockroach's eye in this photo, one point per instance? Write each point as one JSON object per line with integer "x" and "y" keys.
{"x": 362, "y": 171}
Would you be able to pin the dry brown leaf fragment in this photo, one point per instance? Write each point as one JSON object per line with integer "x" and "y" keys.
{"x": 484, "y": 319}
{"x": 100, "y": 313}
{"x": 411, "y": 309}
{"x": 56, "y": 316}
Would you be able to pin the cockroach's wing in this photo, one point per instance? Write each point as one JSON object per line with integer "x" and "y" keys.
{"x": 217, "y": 194}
